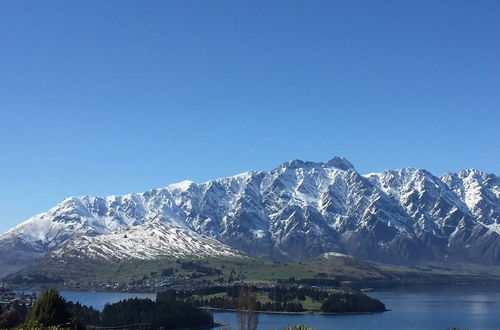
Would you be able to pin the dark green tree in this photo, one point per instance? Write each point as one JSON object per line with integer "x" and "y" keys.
{"x": 50, "y": 309}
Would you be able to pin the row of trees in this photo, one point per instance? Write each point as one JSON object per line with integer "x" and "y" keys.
{"x": 51, "y": 310}
{"x": 278, "y": 293}
{"x": 287, "y": 293}
{"x": 284, "y": 299}
{"x": 232, "y": 303}
{"x": 169, "y": 314}
{"x": 343, "y": 302}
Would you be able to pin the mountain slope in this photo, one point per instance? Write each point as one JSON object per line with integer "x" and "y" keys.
{"x": 480, "y": 192}
{"x": 441, "y": 218}
{"x": 298, "y": 210}
{"x": 147, "y": 241}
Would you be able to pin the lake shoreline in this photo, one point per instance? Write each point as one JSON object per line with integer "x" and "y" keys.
{"x": 316, "y": 312}
{"x": 293, "y": 313}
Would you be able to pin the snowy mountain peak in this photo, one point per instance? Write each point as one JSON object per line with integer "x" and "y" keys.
{"x": 341, "y": 163}
{"x": 298, "y": 210}
{"x": 296, "y": 163}
{"x": 337, "y": 162}
{"x": 480, "y": 191}
{"x": 180, "y": 186}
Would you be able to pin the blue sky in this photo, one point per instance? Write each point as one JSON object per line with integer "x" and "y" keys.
{"x": 109, "y": 97}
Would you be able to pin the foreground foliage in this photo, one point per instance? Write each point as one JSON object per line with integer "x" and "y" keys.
{"x": 51, "y": 311}
{"x": 164, "y": 312}
{"x": 12, "y": 316}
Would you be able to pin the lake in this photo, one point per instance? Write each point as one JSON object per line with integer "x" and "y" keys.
{"x": 412, "y": 308}
{"x": 425, "y": 308}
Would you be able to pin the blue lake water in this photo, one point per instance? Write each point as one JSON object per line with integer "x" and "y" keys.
{"x": 438, "y": 308}
{"x": 426, "y": 308}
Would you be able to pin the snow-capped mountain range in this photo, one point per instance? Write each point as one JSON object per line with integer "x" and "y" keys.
{"x": 298, "y": 210}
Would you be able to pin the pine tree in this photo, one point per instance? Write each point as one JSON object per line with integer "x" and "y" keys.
{"x": 50, "y": 310}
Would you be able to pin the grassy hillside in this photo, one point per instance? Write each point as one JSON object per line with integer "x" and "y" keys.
{"x": 152, "y": 273}
{"x": 155, "y": 274}
{"x": 363, "y": 273}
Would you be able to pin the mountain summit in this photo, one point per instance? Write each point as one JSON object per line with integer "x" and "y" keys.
{"x": 298, "y": 210}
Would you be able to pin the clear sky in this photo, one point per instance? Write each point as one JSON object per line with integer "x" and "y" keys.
{"x": 109, "y": 97}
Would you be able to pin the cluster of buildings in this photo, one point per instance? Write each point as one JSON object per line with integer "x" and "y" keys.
{"x": 10, "y": 298}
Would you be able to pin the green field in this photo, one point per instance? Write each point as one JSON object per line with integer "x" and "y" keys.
{"x": 308, "y": 303}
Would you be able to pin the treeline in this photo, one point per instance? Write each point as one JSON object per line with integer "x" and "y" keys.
{"x": 283, "y": 293}
{"x": 164, "y": 312}
{"x": 232, "y": 303}
{"x": 279, "y": 293}
{"x": 231, "y": 298}
{"x": 83, "y": 315}
{"x": 344, "y": 302}
{"x": 282, "y": 299}
{"x": 51, "y": 310}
